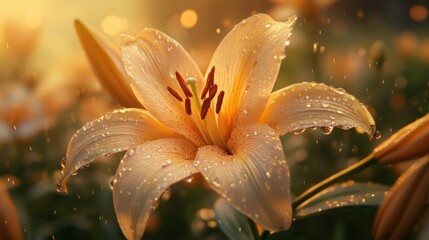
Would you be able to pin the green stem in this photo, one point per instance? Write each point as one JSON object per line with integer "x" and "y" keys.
{"x": 339, "y": 176}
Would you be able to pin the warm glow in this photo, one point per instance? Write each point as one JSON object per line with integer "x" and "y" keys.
{"x": 113, "y": 25}
{"x": 188, "y": 18}
{"x": 418, "y": 13}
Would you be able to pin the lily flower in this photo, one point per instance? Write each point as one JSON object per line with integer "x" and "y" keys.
{"x": 404, "y": 203}
{"x": 225, "y": 125}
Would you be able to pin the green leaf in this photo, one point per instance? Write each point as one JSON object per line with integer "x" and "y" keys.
{"x": 347, "y": 194}
{"x": 233, "y": 223}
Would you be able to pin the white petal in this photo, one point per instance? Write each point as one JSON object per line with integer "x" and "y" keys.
{"x": 143, "y": 175}
{"x": 307, "y": 105}
{"x": 114, "y": 132}
{"x": 247, "y": 63}
{"x": 151, "y": 60}
{"x": 254, "y": 179}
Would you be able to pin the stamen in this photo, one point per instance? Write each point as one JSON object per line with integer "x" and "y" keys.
{"x": 182, "y": 84}
{"x": 188, "y": 106}
{"x": 219, "y": 101}
{"x": 213, "y": 91}
{"x": 205, "y": 108}
{"x": 174, "y": 94}
{"x": 209, "y": 83}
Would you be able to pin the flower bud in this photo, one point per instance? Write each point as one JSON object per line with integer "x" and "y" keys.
{"x": 404, "y": 203}
{"x": 106, "y": 61}
{"x": 408, "y": 143}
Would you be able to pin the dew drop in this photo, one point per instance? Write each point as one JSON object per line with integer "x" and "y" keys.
{"x": 325, "y": 104}
{"x": 166, "y": 163}
{"x": 327, "y": 130}
{"x": 340, "y": 91}
{"x": 377, "y": 135}
{"x": 155, "y": 203}
{"x": 113, "y": 182}
{"x": 268, "y": 25}
{"x": 216, "y": 183}
{"x": 268, "y": 174}
{"x": 189, "y": 179}
{"x": 108, "y": 115}
{"x": 59, "y": 188}
{"x": 298, "y": 131}
{"x": 63, "y": 162}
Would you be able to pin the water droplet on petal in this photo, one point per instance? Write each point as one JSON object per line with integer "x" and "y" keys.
{"x": 327, "y": 130}
{"x": 325, "y": 104}
{"x": 298, "y": 131}
{"x": 166, "y": 163}
{"x": 377, "y": 135}
{"x": 108, "y": 115}
{"x": 189, "y": 179}
{"x": 340, "y": 91}
{"x": 155, "y": 203}
{"x": 63, "y": 162}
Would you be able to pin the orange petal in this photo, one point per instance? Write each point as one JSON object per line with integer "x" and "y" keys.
{"x": 410, "y": 142}
{"x": 107, "y": 65}
{"x": 10, "y": 226}
{"x": 404, "y": 203}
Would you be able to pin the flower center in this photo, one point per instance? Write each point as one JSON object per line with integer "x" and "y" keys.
{"x": 201, "y": 108}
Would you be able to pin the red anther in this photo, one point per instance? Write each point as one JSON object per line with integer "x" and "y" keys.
{"x": 188, "y": 106}
{"x": 209, "y": 83}
{"x": 205, "y": 108}
{"x": 219, "y": 101}
{"x": 212, "y": 92}
{"x": 175, "y": 94}
{"x": 182, "y": 84}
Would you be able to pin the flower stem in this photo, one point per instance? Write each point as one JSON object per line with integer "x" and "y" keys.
{"x": 339, "y": 176}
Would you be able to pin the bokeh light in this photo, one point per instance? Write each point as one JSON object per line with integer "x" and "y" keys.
{"x": 188, "y": 18}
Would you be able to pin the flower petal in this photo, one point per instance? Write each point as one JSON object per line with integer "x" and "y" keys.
{"x": 404, "y": 203}
{"x": 143, "y": 175}
{"x": 247, "y": 63}
{"x": 410, "y": 142}
{"x": 151, "y": 60}
{"x": 255, "y": 179}
{"x": 306, "y": 105}
{"x": 114, "y": 132}
{"x": 107, "y": 64}
{"x": 10, "y": 227}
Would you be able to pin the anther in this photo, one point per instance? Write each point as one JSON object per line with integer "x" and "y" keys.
{"x": 182, "y": 84}
{"x": 188, "y": 106}
{"x": 209, "y": 83}
{"x": 219, "y": 101}
{"x": 205, "y": 108}
{"x": 174, "y": 94}
{"x": 213, "y": 91}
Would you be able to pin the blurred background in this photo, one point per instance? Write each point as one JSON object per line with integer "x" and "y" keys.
{"x": 377, "y": 51}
